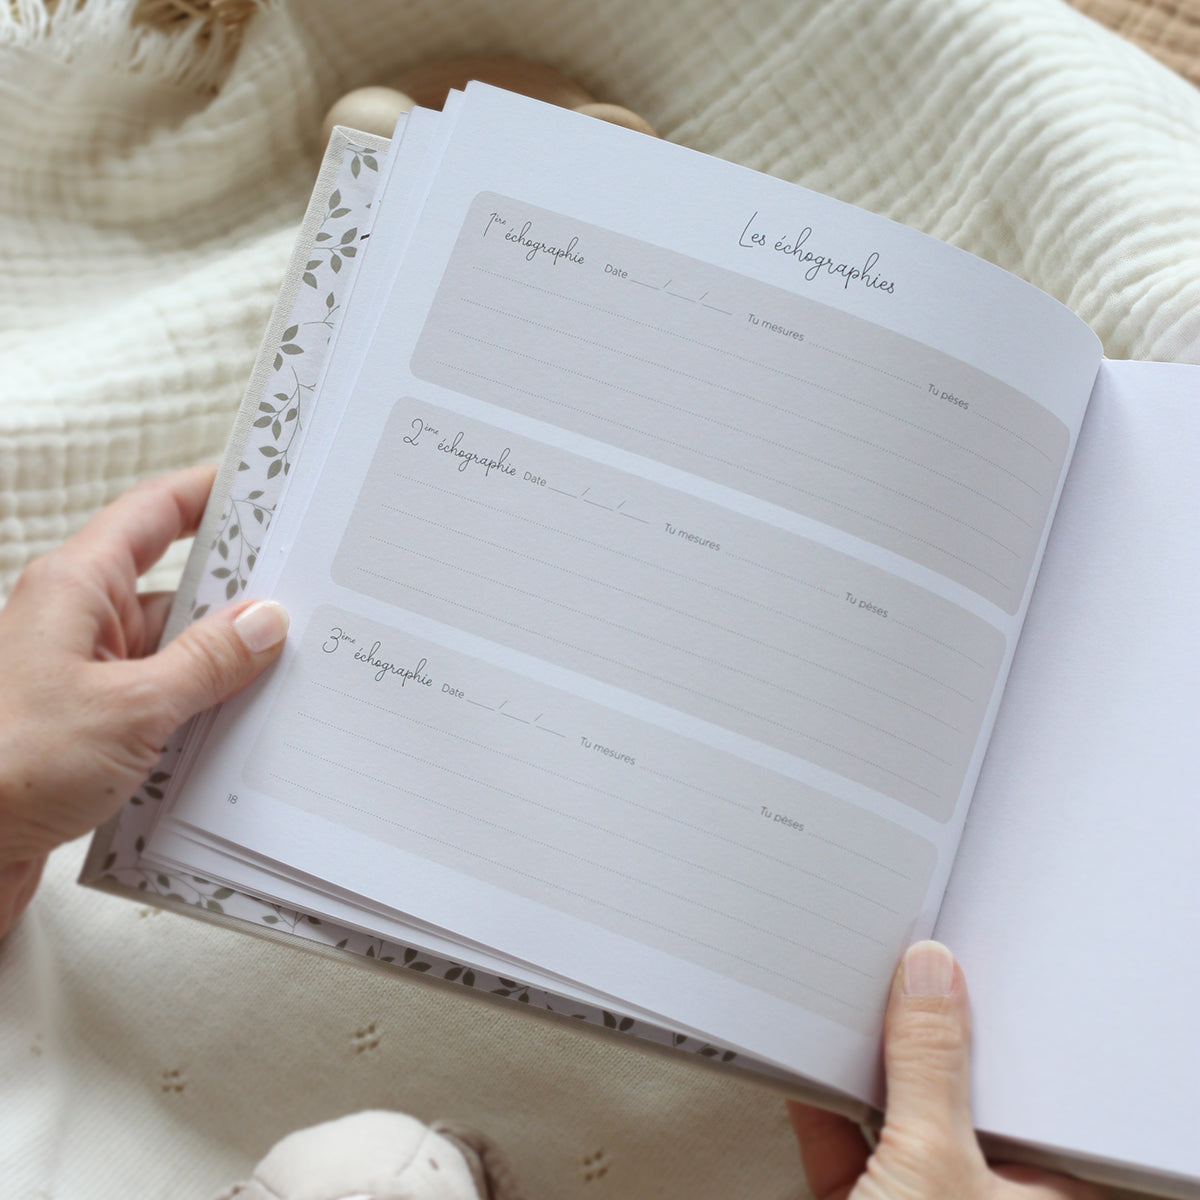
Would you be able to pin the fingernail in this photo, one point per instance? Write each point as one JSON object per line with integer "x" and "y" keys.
{"x": 928, "y": 970}
{"x": 263, "y": 625}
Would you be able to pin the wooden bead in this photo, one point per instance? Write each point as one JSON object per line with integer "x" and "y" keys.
{"x": 376, "y": 109}
{"x": 371, "y": 109}
{"x": 429, "y": 85}
{"x": 617, "y": 115}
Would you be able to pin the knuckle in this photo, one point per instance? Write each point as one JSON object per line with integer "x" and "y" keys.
{"x": 917, "y": 1139}
{"x": 49, "y": 572}
{"x": 142, "y": 489}
{"x": 926, "y": 1065}
{"x": 215, "y": 665}
{"x": 128, "y": 746}
{"x": 108, "y": 699}
{"x": 147, "y": 716}
{"x": 922, "y": 1031}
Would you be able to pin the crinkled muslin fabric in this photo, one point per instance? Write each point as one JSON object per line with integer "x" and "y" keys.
{"x": 148, "y": 199}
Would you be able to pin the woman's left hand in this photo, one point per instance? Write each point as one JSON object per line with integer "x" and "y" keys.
{"x": 85, "y": 701}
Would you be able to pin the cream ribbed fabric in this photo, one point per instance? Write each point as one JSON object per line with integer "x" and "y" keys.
{"x": 144, "y": 225}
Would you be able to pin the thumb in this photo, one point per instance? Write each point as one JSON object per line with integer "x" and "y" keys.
{"x": 927, "y": 1035}
{"x": 217, "y": 656}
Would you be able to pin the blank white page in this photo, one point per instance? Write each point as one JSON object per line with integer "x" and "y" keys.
{"x": 1074, "y": 904}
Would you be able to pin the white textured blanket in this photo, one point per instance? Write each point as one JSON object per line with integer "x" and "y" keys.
{"x": 145, "y": 219}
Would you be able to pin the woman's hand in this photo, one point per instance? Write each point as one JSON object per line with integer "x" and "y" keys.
{"x": 927, "y": 1149}
{"x": 85, "y": 704}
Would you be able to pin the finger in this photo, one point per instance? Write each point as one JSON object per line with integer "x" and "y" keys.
{"x": 215, "y": 657}
{"x": 80, "y": 597}
{"x": 832, "y": 1149}
{"x": 927, "y": 1034}
{"x": 138, "y": 526}
{"x": 156, "y": 607}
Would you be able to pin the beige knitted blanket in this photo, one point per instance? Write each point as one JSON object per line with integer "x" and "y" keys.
{"x": 148, "y": 198}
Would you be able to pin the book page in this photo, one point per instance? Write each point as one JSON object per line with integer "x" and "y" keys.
{"x": 1074, "y": 903}
{"x": 652, "y": 604}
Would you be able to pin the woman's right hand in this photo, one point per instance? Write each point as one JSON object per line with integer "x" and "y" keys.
{"x": 927, "y": 1149}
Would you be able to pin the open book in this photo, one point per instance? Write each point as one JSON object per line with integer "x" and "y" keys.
{"x": 657, "y": 547}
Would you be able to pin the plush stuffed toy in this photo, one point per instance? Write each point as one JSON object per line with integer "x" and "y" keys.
{"x": 381, "y": 1156}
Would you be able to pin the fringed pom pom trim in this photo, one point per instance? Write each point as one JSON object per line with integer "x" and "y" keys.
{"x": 189, "y": 43}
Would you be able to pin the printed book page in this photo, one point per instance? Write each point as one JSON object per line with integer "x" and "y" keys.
{"x": 652, "y": 604}
{"x": 1074, "y": 902}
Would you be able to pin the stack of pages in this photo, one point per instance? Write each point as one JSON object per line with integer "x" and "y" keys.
{"x": 657, "y": 551}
